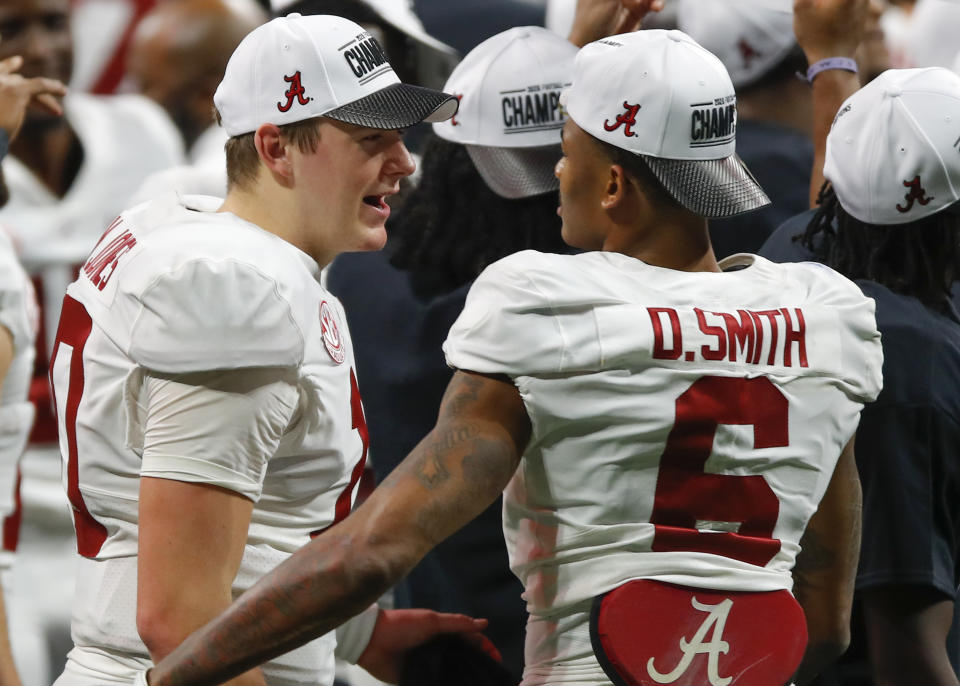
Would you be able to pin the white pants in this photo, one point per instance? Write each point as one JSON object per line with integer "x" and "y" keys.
{"x": 92, "y": 666}
{"x": 558, "y": 650}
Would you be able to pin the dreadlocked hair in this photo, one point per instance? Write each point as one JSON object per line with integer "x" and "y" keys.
{"x": 920, "y": 259}
{"x": 452, "y": 226}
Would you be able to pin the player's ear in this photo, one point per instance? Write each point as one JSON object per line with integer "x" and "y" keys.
{"x": 617, "y": 188}
{"x": 274, "y": 151}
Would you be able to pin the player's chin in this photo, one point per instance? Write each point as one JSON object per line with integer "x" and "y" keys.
{"x": 371, "y": 238}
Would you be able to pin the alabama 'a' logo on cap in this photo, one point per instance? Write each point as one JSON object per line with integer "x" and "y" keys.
{"x": 627, "y": 120}
{"x": 917, "y": 193}
{"x": 296, "y": 92}
{"x": 747, "y": 52}
{"x": 332, "y": 340}
{"x": 453, "y": 119}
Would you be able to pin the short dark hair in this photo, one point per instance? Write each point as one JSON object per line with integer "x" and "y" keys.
{"x": 452, "y": 225}
{"x": 640, "y": 171}
{"x": 919, "y": 259}
{"x": 243, "y": 161}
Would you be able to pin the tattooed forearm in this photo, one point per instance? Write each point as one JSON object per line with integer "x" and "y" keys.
{"x": 462, "y": 395}
{"x": 431, "y": 470}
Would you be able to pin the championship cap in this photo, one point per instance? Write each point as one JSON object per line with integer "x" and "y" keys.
{"x": 750, "y": 37}
{"x": 893, "y": 153}
{"x": 294, "y": 68}
{"x": 661, "y": 96}
{"x": 510, "y": 116}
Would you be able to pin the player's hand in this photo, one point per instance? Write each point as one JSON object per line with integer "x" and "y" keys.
{"x": 397, "y": 631}
{"x": 595, "y": 19}
{"x": 829, "y": 28}
{"x": 18, "y": 93}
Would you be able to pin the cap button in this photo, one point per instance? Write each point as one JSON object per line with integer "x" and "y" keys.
{"x": 294, "y": 15}
{"x": 894, "y": 92}
{"x": 674, "y": 36}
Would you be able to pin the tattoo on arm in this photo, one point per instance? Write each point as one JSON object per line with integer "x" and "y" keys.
{"x": 466, "y": 393}
{"x": 430, "y": 469}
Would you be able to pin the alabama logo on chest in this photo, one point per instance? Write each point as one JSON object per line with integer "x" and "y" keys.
{"x": 330, "y": 330}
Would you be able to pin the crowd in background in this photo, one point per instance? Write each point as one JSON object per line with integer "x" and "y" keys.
{"x": 137, "y": 123}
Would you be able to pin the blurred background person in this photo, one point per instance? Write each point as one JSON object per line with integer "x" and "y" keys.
{"x": 18, "y": 327}
{"x": 68, "y": 177}
{"x": 177, "y": 57}
{"x": 755, "y": 41}
{"x": 890, "y": 219}
{"x": 102, "y": 31}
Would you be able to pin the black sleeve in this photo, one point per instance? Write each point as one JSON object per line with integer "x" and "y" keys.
{"x": 908, "y": 463}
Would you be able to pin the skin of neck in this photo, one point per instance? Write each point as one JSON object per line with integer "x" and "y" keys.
{"x": 788, "y": 103}
{"x": 639, "y": 226}
{"x": 270, "y": 202}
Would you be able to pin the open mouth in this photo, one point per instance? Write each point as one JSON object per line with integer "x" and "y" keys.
{"x": 376, "y": 201}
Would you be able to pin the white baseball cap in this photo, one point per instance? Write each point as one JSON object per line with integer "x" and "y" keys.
{"x": 294, "y": 68}
{"x": 893, "y": 153}
{"x": 660, "y": 95}
{"x": 510, "y": 116}
{"x": 750, "y": 37}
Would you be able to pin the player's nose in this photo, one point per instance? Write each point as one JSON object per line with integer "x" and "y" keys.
{"x": 401, "y": 162}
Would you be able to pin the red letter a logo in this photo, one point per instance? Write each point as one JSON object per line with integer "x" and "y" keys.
{"x": 295, "y": 91}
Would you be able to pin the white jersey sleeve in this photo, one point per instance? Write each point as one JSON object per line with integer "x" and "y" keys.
{"x": 212, "y": 314}
{"x": 860, "y": 354}
{"x": 218, "y": 428}
{"x": 510, "y": 326}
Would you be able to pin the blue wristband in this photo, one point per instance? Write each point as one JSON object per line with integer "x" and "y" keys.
{"x": 844, "y": 63}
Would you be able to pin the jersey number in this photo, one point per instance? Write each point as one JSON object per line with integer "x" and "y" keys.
{"x": 72, "y": 334}
{"x": 345, "y": 500}
{"x": 745, "y": 507}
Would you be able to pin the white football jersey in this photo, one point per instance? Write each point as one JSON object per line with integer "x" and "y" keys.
{"x": 684, "y": 425}
{"x": 175, "y": 287}
{"x": 18, "y": 315}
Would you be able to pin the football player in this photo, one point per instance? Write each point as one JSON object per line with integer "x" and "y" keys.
{"x": 209, "y": 412}
{"x": 667, "y": 428}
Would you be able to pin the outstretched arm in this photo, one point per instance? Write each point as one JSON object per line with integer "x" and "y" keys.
{"x": 826, "y": 568}
{"x": 455, "y": 472}
{"x": 828, "y": 28}
{"x": 596, "y": 19}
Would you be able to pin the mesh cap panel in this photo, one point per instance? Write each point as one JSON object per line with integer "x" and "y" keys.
{"x": 710, "y": 188}
{"x": 397, "y": 106}
{"x": 516, "y": 172}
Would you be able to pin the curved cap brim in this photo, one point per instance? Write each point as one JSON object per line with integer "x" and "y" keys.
{"x": 517, "y": 172}
{"x": 396, "y": 107}
{"x": 710, "y": 188}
